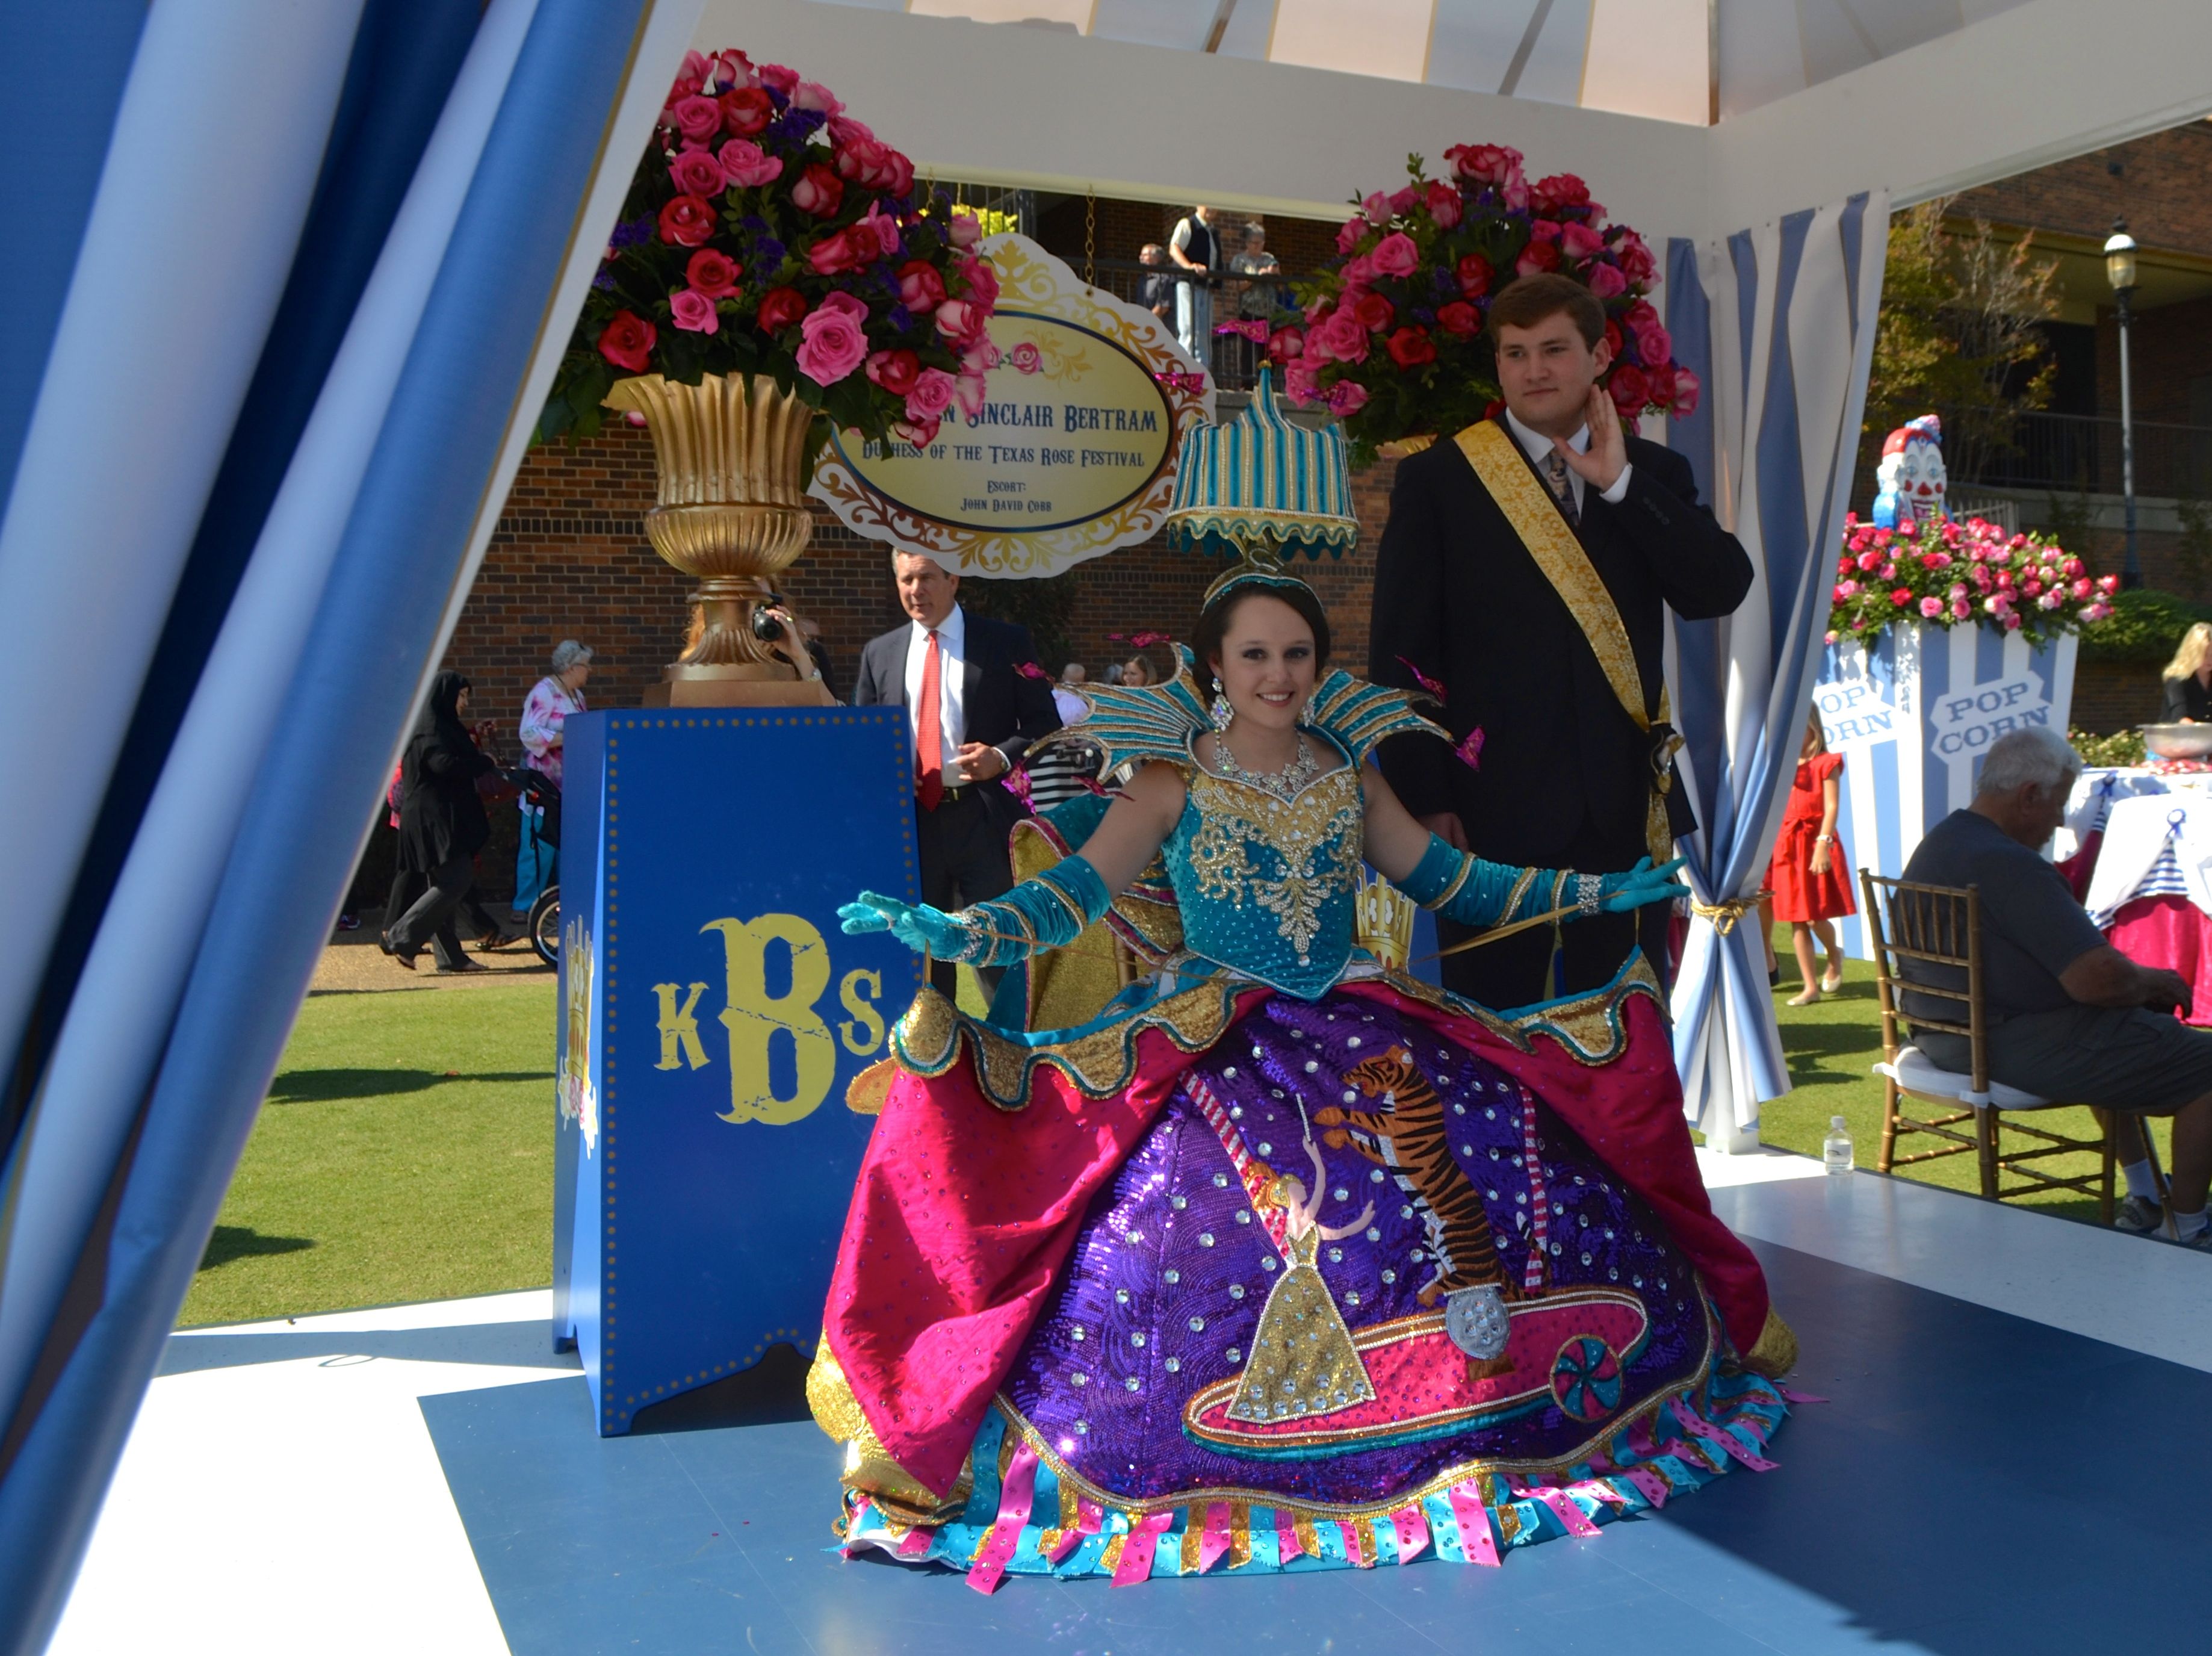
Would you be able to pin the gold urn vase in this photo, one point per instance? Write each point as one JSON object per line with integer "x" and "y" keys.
{"x": 730, "y": 513}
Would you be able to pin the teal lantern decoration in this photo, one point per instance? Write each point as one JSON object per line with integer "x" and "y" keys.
{"x": 1259, "y": 487}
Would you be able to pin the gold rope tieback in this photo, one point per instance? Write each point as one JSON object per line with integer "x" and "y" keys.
{"x": 1722, "y": 916}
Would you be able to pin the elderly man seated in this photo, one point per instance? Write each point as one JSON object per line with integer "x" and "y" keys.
{"x": 2071, "y": 1018}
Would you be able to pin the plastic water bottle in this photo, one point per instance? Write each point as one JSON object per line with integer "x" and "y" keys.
{"x": 1836, "y": 1148}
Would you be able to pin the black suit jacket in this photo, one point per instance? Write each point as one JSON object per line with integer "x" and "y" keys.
{"x": 1565, "y": 774}
{"x": 1002, "y": 705}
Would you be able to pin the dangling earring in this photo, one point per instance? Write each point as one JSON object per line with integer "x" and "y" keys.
{"x": 1222, "y": 712}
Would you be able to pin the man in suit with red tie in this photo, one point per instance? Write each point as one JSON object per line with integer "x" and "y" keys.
{"x": 1525, "y": 573}
{"x": 973, "y": 711}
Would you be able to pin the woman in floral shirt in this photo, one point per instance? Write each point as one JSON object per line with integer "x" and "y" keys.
{"x": 551, "y": 702}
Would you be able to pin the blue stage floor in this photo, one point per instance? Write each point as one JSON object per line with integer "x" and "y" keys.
{"x": 2012, "y": 1465}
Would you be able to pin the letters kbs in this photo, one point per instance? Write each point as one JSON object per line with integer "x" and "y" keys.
{"x": 752, "y": 1017}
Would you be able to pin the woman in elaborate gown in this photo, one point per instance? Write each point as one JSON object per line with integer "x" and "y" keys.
{"x": 1285, "y": 1260}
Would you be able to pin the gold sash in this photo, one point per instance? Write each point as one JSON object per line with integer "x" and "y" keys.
{"x": 1530, "y": 507}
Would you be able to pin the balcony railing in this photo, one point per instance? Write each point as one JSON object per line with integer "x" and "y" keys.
{"x": 2074, "y": 453}
{"x": 1234, "y": 359}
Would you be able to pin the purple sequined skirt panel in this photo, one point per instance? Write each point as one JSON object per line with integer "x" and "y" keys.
{"x": 1164, "y": 1288}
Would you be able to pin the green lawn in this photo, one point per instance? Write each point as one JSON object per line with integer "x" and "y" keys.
{"x": 406, "y": 1151}
{"x": 1831, "y": 1047}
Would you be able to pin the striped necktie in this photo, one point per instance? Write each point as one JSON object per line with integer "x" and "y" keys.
{"x": 1563, "y": 487}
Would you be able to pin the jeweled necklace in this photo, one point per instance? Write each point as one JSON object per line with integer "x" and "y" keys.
{"x": 1284, "y": 784}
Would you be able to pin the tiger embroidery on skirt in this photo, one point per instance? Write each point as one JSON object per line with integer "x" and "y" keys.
{"x": 1411, "y": 1139}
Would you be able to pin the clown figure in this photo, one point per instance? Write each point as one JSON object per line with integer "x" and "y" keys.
{"x": 1910, "y": 483}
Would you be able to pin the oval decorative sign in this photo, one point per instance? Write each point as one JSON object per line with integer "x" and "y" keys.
{"x": 1071, "y": 453}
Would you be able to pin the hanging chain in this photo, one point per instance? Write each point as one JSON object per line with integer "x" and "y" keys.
{"x": 1090, "y": 237}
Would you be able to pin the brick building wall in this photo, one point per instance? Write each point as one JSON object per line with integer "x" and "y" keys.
{"x": 2157, "y": 182}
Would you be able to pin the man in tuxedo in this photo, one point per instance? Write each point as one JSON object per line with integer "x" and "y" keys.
{"x": 973, "y": 712}
{"x": 1563, "y": 774}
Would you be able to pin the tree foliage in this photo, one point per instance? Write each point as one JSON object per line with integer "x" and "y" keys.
{"x": 1959, "y": 330}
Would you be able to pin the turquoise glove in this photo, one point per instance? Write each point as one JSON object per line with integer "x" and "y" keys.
{"x": 1480, "y": 893}
{"x": 920, "y": 928}
{"x": 1644, "y": 884}
{"x": 1048, "y": 912}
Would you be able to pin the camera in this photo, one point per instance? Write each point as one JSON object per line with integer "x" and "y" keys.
{"x": 766, "y": 627}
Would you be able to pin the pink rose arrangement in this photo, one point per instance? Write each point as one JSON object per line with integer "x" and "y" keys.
{"x": 768, "y": 232}
{"x": 1961, "y": 573}
{"x": 1392, "y": 338}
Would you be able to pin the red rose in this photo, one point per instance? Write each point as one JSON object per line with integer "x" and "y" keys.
{"x": 1445, "y": 206}
{"x": 921, "y": 290}
{"x": 1612, "y": 338}
{"x": 818, "y": 192}
{"x": 1286, "y": 344}
{"x": 746, "y": 110}
{"x": 712, "y": 274}
{"x": 1629, "y": 389}
{"x": 1410, "y": 347}
{"x": 1901, "y": 597}
{"x": 687, "y": 220}
{"x": 1560, "y": 190}
{"x": 1494, "y": 408}
{"x": 1474, "y": 274}
{"x": 1374, "y": 311}
{"x": 895, "y": 371}
{"x": 627, "y": 340}
{"x": 1659, "y": 383}
{"x": 780, "y": 308}
{"x": 1537, "y": 256}
{"x": 1636, "y": 260}
{"x": 1459, "y": 317}
{"x": 850, "y": 249}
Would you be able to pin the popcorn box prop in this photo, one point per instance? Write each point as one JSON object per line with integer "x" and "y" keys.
{"x": 712, "y": 1016}
{"x": 1912, "y": 717}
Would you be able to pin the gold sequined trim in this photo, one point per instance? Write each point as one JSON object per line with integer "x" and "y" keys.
{"x": 1519, "y": 894}
{"x": 1590, "y": 1026}
{"x": 1443, "y": 898}
{"x": 928, "y": 1040}
{"x": 868, "y": 1466}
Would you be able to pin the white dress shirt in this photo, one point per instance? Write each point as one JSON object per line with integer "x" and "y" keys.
{"x": 1534, "y": 444}
{"x": 952, "y": 715}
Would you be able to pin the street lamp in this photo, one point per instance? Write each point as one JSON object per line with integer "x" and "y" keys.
{"x": 2120, "y": 271}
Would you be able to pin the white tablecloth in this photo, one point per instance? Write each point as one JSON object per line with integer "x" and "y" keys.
{"x": 2154, "y": 844}
{"x": 2094, "y": 791}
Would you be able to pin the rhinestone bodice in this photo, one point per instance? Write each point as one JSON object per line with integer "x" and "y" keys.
{"x": 1266, "y": 885}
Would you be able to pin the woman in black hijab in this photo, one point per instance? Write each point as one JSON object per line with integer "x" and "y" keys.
{"x": 442, "y": 825}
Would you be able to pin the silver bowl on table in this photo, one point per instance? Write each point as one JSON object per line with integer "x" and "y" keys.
{"x": 2177, "y": 741}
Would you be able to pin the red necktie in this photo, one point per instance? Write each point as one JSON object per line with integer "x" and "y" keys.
{"x": 929, "y": 730}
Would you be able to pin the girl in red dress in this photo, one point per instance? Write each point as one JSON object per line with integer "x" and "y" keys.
{"x": 1810, "y": 878}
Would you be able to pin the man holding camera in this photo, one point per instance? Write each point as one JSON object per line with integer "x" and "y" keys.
{"x": 973, "y": 712}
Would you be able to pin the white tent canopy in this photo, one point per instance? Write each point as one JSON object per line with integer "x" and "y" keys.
{"x": 1817, "y": 100}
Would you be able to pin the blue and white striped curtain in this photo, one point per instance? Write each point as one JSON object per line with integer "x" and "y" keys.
{"x": 296, "y": 278}
{"x": 1778, "y": 322}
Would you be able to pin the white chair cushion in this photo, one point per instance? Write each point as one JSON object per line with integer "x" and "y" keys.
{"x": 1917, "y": 1073}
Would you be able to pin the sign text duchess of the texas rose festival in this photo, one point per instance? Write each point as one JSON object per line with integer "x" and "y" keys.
{"x": 1072, "y": 438}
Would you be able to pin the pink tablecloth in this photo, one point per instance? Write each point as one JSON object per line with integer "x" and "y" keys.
{"x": 2173, "y": 933}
